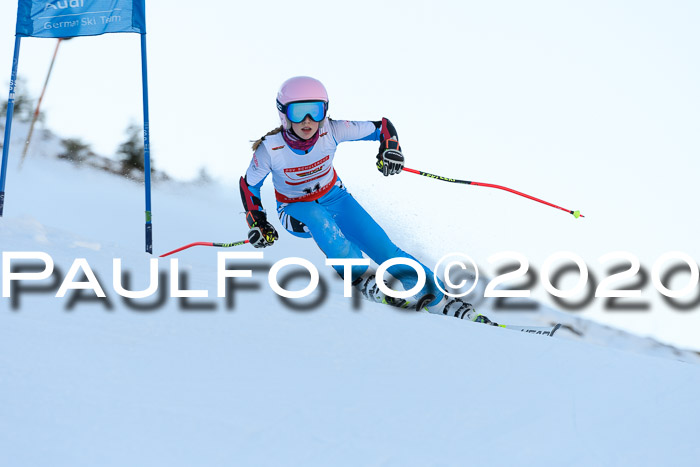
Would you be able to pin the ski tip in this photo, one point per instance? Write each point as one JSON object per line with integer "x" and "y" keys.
{"x": 554, "y": 329}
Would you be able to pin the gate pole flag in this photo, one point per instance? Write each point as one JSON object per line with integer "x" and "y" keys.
{"x": 72, "y": 18}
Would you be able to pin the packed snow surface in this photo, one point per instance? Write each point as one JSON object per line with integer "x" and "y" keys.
{"x": 248, "y": 380}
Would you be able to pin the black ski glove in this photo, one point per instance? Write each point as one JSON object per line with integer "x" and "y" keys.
{"x": 261, "y": 233}
{"x": 389, "y": 159}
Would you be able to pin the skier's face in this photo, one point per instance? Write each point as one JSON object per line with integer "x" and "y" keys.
{"x": 305, "y": 129}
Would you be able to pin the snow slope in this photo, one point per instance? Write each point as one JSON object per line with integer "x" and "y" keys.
{"x": 253, "y": 382}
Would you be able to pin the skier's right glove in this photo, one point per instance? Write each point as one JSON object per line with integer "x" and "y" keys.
{"x": 261, "y": 233}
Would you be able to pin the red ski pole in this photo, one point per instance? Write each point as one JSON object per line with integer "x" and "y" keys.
{"x": 220, "y": 245}
{"x": 576, "y": 214}
{"x": 35, "y": 117}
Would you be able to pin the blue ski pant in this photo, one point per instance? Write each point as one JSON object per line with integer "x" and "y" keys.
{"x": 343, "y": 229}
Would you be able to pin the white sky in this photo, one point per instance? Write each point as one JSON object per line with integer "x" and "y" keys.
{"x": 593, "y": 105}
{"x": 500, "y": 69}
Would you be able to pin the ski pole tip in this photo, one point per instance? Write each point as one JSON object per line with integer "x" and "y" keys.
{"x": 577, "y": 214}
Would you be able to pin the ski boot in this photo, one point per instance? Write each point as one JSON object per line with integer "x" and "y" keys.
{"x": 424, "y": 301}
{"x": 460, "y": 309}
{"x": 367, "y": 285}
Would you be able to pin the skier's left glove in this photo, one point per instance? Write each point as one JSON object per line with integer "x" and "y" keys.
{"x": 390, "y": 160}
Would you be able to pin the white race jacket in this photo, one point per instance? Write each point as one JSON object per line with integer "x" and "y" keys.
{"x": 305, "y": 177}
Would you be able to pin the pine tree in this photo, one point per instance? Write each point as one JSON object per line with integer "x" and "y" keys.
{"x": 24, "y": 105}
{"x": 132, "y": 150}
{"x": 75, "y": 150}
{"x": 204, "y": 178}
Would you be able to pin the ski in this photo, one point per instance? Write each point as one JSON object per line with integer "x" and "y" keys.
{"x": 537, "y": 330}
{"x": 369, "y": 291}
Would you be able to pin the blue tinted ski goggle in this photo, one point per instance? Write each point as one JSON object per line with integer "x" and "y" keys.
{"x": 296, "y": 112}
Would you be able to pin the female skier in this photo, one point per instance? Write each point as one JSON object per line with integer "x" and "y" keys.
{"x": 313, "y": 202}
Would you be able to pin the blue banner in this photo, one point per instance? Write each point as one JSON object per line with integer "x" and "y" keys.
{"x": 70, "y": 18}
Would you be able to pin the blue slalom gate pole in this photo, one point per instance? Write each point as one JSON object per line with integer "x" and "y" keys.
{"x": 146, "y": 146}
{"x": 8, "y": 124}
